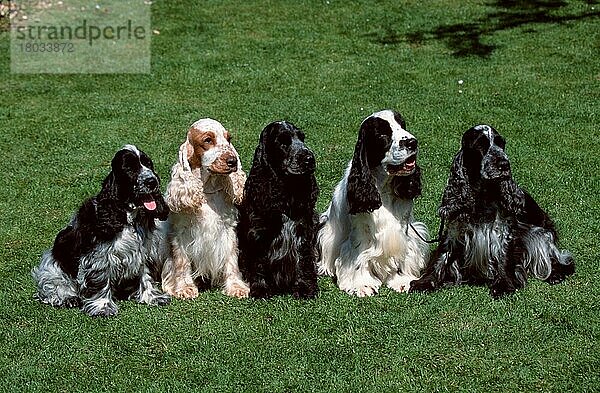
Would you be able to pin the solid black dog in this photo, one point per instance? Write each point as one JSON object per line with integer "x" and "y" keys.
{"x": 496, "y": 234}
{"x": 278, "y": 221}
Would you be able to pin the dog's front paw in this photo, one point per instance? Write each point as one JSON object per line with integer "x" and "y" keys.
{"x": 561, "y": 271}
{"x": 189, "y": 291}
{"x": 72, "y": 302}
{"x": 151, "y": 296}
{"x": 501, "y": 288}
{"x": 237, "y": 289}
{"x": 306, "y": 291}
{"x": 260, "y": 291}
{"x": 161, "y": 300}
{"x": 100, "y": 308}
{"x": 363, "y": 291}
{"x": 422, "y": 285}
{"x": 555, "y": 278}
{"x": 400, "y": 283}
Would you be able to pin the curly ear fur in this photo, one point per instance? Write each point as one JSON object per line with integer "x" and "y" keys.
{"x": 512, "y": 198}
{"x": 458, "y": 195}
{"x": 185, "y": 191}
{"x": 259, "y": 160}
{"x": 110, "y": 189}
{"x": 263, "y": 187}
{"x": 235, "y": 186}
{"x": 314, "y": 192}
{"x": 263, "y": 190}
{"x": 362, "y": 193}
{"x": 408, "y": 187}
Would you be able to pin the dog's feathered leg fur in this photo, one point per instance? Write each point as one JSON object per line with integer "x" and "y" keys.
{"x": 94, "y": 286}
{"x": 177, "y": 274}
{"x": 146, "y": 292}
{"x": 305, "y": 285}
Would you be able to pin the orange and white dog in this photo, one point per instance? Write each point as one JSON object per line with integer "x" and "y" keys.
{"x": 206, "y": 184}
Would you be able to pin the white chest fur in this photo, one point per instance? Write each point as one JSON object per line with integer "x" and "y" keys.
{"x": 208, "y": 237}
{"x": 483, "y": 243}
{"x": 121, "y": 259}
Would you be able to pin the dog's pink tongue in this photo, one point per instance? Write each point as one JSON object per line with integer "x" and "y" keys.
{"x": 150, "y": 205}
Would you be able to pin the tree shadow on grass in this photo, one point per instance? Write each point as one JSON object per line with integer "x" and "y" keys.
{"x": 467, "y": 39}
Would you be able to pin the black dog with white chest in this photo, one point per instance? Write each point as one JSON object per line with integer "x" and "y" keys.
{"x": 495, "y": 233}
{"x": 112, "y": 244}
{"x": 278, "y": 220}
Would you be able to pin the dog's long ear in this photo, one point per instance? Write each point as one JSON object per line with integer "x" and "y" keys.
{"x": 162, "y": 208}
{"x": 263, "y": 188}
{"x": 186, "y": 153}
{"x": 110, "y": 188}
{"x": 185, "y": 191}
{"x": 235, "y": 188}
{"x": 362, "y": 193}
{"x": 458, "y": 195}
{"x": 260, "y": 153}
{"x": 512, "y": 197}
{"x": 408, "y": 187}
{"x": 235, "y": 183}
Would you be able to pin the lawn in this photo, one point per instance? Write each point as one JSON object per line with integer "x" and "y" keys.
{"x": 529, "y": 68}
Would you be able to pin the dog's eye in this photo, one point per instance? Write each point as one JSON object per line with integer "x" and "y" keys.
{"x": 130, "y": 162}
{"x": 481, "y": 144}
{"x": 411, "y": 144}
{"x": 208, "y": 140}
{"x": 285, "y": 139}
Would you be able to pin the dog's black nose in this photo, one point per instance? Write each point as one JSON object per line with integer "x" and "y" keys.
{"x": 504, "y": 165}
{"x": 309, "y": 160}
{"x": 151, "y": 183}
{"x": 232, "y": 162}
{"x": 411, "y": 144}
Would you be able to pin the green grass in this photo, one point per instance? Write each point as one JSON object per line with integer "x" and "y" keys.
{"x": 529, "y": 68}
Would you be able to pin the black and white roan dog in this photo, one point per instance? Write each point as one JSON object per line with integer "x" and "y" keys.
{"x": 112, "y": 244}
{"x": 495, "y": 233}
{"x": 369, "y": 236}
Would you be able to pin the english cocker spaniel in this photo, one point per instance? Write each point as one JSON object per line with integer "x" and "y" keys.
{"x": 495, "y": 233}
{"x": 112, "y": 244}
{"x": 369, "y": 236}
{"x": 206, "y": 184}
{"x": 278, "y": 220}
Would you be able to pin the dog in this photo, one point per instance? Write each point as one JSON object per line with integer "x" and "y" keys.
{"x": 112, "y": 245}
{"x": 369, "y": 236}
{"x": 278, "y": 220}
{"x": 495, "y": 233}
{"x": 206, "y": 184}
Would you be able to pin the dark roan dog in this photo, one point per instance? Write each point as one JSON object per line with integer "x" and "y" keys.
{"x": 495, "y": 233}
